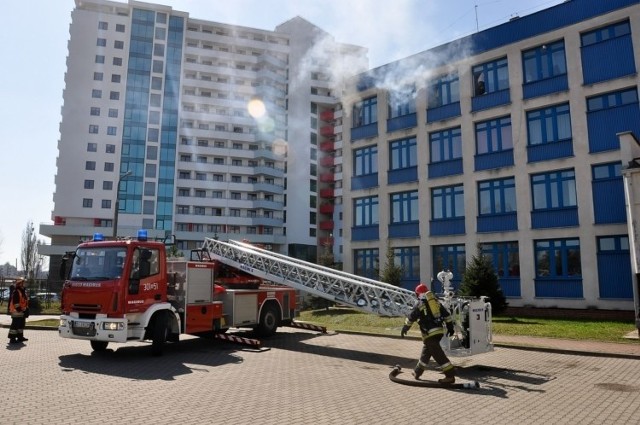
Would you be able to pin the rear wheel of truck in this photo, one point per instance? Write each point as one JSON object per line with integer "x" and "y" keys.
{"x": 269, "y": 320}
{"x": 159, "y": 334}
{"x": 99, "y": 345}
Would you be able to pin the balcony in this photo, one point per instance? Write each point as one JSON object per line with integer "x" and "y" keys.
{"x": 327, "y": 208}
{"x": 327, "y": 131}
{"x": 326, "y": 225}
{"x": 327, "y": 193}
{"x": 327, "y": 161}
{"x": 327, "y": 177}
{"x": 327, "y": 115}
{"x": 328, "y": 146}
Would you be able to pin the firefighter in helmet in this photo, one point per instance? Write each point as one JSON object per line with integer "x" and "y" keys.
{"x": 431, "y": 315}
{"x": 18, "y": 309}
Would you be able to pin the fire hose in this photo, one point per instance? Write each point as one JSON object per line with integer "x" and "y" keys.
{"x": 393, "y": 375}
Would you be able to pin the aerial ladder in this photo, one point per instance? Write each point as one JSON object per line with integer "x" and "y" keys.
{"x": 472, "y": 317}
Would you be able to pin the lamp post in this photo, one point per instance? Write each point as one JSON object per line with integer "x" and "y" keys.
{"x": 117, "y": 208}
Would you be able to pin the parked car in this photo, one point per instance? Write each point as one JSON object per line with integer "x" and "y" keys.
{"x": 4, "y": 294}
{"x": 47, "y": 296}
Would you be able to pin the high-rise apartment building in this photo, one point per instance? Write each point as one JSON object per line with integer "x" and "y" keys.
{"x": 197, "y": 128}
{"x": 509, "y": 143}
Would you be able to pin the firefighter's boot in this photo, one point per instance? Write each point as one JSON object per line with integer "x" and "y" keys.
{"x": 417, "y": 372}
{"x": 449, "y": 377}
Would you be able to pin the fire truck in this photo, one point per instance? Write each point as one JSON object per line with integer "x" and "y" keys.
{"x": 128, "y": 290}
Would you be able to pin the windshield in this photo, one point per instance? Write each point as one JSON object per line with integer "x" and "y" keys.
{"x": 98, "y": 263}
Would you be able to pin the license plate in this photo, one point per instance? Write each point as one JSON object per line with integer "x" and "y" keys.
{"x": 82, "y": 324}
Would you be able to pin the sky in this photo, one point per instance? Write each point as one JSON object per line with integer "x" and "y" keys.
{"x": 33, "y": 48}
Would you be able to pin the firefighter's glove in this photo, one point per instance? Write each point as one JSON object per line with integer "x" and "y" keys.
{"x": 450, "y": 330}
{"x": 19, "y": 309}
{"x": 404, "y": 330}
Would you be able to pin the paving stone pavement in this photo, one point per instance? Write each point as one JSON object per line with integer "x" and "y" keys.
{"x": 303, "y": 377}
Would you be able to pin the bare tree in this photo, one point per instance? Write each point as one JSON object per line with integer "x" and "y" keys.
{"x": 29, "y": 251}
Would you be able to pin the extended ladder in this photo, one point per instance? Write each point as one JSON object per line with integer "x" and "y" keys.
{"x": 361, "y": 293}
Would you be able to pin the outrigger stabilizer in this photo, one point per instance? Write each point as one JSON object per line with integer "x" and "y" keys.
{"x": 393, "y": 375}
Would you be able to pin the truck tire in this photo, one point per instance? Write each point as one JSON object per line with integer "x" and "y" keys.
{"x": 99, "y": 345}
{"x": 269, "y": 320}
{"x": 159, "y": 333}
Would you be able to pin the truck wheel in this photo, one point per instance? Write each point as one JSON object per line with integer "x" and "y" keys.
{"x": 269, "y": 320}
{"x": 99, "y": 345}
{"x": 159, "y": 334}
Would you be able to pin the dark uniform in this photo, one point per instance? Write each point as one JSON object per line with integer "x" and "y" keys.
{"x": 18, "y": 304}
{"x": 430, "y": 315}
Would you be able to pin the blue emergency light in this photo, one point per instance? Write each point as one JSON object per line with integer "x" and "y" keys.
{"x": 98, "y": 237}
{"x": 142, "y": 235}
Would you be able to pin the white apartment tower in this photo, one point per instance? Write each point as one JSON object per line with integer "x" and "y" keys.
{"x": 197, "y": 128}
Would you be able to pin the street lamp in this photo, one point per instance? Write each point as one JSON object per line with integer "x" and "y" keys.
{"x": 117, "y": 209}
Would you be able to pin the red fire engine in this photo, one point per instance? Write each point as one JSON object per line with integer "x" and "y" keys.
{"x": 128, "y": 290}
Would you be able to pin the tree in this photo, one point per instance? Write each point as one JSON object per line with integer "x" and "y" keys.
{"x": 29, "y": 251}
{"x": 480, "y": 279}
{"x": 392, "y": 273}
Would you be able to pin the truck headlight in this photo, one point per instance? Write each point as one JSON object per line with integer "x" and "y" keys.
{"x": 63, "y": 323}
{"x": 112, "y": 326}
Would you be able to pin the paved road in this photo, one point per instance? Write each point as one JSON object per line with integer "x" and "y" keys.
{"x": 308, "y": 378}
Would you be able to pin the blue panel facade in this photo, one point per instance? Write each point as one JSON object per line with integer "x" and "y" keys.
{"x": 617, "y": 50}
{"x": 403, "y": 175}
{"x": 365, "y": 233}
{"x": 609, "y": 202}
{"x": 558, "y": 288}
{"x": 510, "y": 286}
{"x": 404, "y": 230}
{"x": 453, "y": 226}
{"x": 489, "y": 161}
{"x": 490, "y": 100}
{"x": 565, "y": 217}
{"x": 603, "y": 126}
{"x": 443, "y": 112}
{"x": 498, "y": 223}
{"x": 614, "y": 275}
{"x": 445, "y": 168}
{"x": 365, "y": 131}
{"x": 403, "y": 122}
{"x": 545, "y": 87}
{"x": 364, "y": 182}
{"x": 547, "y": 151}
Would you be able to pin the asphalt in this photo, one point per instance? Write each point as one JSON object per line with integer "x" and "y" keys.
{"x": 626, "y": 349}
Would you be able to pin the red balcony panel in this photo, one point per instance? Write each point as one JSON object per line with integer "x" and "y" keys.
{"x": 327, "y": 178}
{"x": 327, "y": 193}
{"x": 327, "y": 208}
{"x": 326, "y": 225}
{"x": 59, "y": 221}
{"x": 327, "y": 146}
{"x": 326, "y": 115}
{"x": 327, "y": 131}
{"x": 327, "y": 161}
{"x": 96, "y": 222}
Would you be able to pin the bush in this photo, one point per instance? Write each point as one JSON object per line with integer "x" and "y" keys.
{"x": 480, "y": 279}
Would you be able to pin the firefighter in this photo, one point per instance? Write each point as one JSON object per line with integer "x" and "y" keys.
{"x": 18, "y": 308}
{"x": 430, "y": 315}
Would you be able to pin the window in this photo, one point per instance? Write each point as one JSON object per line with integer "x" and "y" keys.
{"x": 606, "y": 33}
{"x": 102, "y": 25}
{"x": 549, "y": 125}
{"x": 554, "y": 190}
{"x": 365, "y": 211}
{"x": 95, "y": 111}
{"x": 114, "y": 95}
{"x": 93, "y": 129}
{"x": 96, "y": 93}
{"x": 106, "y": 204}
{"x": 92, "y": 147}
{"x": 198, "y": 210}
{"x": 447, "y": 202}
{"x": 200, "y": 193}
{"x": 150, "y": 170}
{"x": 312, "y": 217}
{"x": 153, "y": 134}
{"x": 497, "y": 196}
{"x": 98, "y": 76}
{"x": 366, "y": 262}
{"x": 117, "y": 61}
{"x": 158, "y": 66}
{"x": 404, "y": 207}
{"x": 409, "y": 259}
{"x": 113, "y": 113}
{"x": 110, "y": 148}
{"x": 504, "y": 256}
{"x": 183, "y": 191}
{"x": 182, "y": 209}
{"x": 184, "y": 175}
{"x": 99, "y": 58}
{"x": 115, "y": 78}
{"x": 236, "y": 195}
{"x": 155, "y": 100}
{"x": 101, "y": 42}
{"x": 490, "y": 77}
{"x": 544, "y": 61}
{"x": 494, "y": 136}
{"x": 234, "y": 212}
{"x": 107, "y": 185}
{"x": 365, "y": 161}
{"x": 156, "y": 83}
{"x": 161, "y": 34}
{"x": 88, "y": 184}
{"x": 403, "y": 153}
{"x": 108, "y": 166}
{"x": 612, "y": 100}
{"x": 365, "y": 112}
{"x": 118, "y": 44}
{"x": 119, "y": 27}
{"x": 111, "y": 130}
{"x": 558, "y": 258}
{"x": 149, "y": 189}
{"x": 87, "y": 203}
{"x": 445, "y": 145}
{"x": 444, "y": 91}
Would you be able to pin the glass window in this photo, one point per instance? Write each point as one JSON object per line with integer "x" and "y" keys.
{"x": 549, "y": 125}
{"x": 497, "y": 196}
{"x": 365, "y": 161}
{"x": 544, "y": 61}
{"x": 404, "y": 207}
{"x": 494, "y": 136}
{"x": 444, "y": 91}
{"x": 365, "y": 112}
{"x": 490, "y": 77}
{"x": 366, "y": 211}
{"x": 558, "y": 258}
{"x": 445, "y": 145}
{"x": 403, "y": 153}
{"x": 554, "y": 190}
{"x": 447, "y": 202}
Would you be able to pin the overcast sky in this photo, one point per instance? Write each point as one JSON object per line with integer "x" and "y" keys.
{"x": 33, "y": 48}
